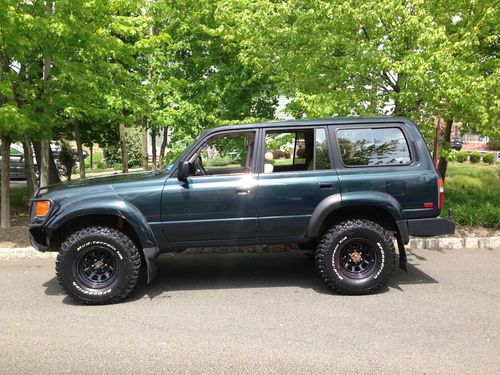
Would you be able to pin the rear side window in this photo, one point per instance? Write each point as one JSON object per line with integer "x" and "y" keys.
{"x": 367, "y": 147}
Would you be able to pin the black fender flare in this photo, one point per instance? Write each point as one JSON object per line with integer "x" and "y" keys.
{"x": 362, "y": 199}
{"x": 114, "y": 207}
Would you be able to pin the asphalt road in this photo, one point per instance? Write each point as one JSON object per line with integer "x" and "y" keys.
{"x": 258, "y": 313}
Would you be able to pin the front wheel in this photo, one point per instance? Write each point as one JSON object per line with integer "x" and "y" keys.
{"x": 356, "y": 257}
{"x": 98, "y": 265}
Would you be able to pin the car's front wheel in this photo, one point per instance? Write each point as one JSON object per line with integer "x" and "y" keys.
{"x": 98, "y": 265}
{"x": 356, "y": 257}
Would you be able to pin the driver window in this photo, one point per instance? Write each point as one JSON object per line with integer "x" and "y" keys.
{"x": 224, "y": 154}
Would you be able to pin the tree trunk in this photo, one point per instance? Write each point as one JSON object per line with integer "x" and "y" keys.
{"x": 5, "y": 188}
{"x": 153, "y": 148}
{"x": 123, "y": 147}
{"x": 163, "y": 144}
{"x": 53, "y": 172}
{"x": 29, "y": 168}
{"x": 43, "y": 163}
{"x": 443, "y": 163}
{"x": 79, "y": 149}
{"x": 145, "y": 155}
{"x": 91, "y": 156}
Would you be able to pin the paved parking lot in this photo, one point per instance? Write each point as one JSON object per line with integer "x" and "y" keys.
{"x": 258, "y": 313}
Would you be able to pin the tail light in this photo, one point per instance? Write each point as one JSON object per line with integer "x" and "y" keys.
{"x": 441, "y": 192}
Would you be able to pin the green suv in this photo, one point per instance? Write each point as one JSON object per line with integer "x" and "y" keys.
{"x": 340, "y": 187}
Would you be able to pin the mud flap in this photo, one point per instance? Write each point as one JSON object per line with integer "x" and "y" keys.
{"x": 402, "y": 253}
{"x": 150, "y": 254}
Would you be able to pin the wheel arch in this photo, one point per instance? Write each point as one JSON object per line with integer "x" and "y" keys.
{"x": 116, "y": 214}
{"x": 380, "y": 208}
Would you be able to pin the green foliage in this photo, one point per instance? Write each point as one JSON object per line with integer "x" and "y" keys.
{"x": 473, "y": 192}
{"x": 494, "y": 145}
{"x": 67, "y": 158}
{"x": 112, "y": 153}
{"x": 18, "y": 197}
{"x": 222, "y": 161}
{"x": 462, "y": 156}
{"x": 475, "y": 157}
{"x": 489, "y": 158}
{"x": 97, "y": 157}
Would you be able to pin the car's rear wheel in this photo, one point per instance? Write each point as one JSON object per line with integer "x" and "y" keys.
{"x": 98, "y": 265}
{"x": 356, "y": 257}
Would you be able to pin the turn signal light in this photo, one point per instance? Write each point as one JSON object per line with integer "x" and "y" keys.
{"x": 42, "y": 208}
{"x": 441, "y": 193}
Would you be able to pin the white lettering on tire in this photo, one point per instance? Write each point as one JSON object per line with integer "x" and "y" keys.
{"x": 333, "y": 258}
{"x": 383, "y": 260}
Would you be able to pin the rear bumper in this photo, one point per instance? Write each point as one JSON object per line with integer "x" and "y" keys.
{"x": 430, "y": 227}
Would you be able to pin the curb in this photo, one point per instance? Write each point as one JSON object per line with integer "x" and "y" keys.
{"x": 416, "y": 243}
{"x": 441, "y": 243}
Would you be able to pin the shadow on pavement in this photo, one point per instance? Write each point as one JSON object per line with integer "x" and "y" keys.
{"x": 182, "y": 272}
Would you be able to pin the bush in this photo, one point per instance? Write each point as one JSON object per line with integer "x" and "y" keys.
{"x": 493, "y": 144}
{"x": 461, "y": 156}
{"x": 280, "y": 154}
{"x": 112, "y": 152}
{"x": 475, "y": 157}
{"x": 67, "y": 159}
{"x": 489, "y": 158}
{"x": 221, "y": 162}
{"x": 101, "y": 165}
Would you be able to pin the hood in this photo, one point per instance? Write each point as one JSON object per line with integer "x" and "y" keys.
{"x": 93, "y": 185}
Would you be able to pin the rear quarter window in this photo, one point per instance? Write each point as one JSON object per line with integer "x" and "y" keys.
{"x": 373, "y": 147}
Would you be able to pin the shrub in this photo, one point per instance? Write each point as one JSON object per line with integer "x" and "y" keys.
{"x": 221, "y": 162}
{"x": 461, "y": 156}
{"x": 67, "y": 159}
{"x": 475, "y": 157}
{"x": 493, "y": 144}
{"x": 112, "y": 152}
{"x": 280, "y": 154}
{"x": 489, "y": 158}
{"x": 101, "y": 164}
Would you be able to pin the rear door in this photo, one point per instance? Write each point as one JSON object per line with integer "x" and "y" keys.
{"x": 295, "y": 175}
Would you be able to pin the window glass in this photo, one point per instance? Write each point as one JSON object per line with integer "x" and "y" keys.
{"x": 295, "y": 150}
{"x": 226, "y": 154}
{"x": 322, "y": 153}
{"x": 15, "y": 152}
{"x": 384, "y": 146}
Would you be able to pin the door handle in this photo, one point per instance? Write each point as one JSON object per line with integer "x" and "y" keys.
{"x": 325, "y": 185}
{"x": 243, "y": 191}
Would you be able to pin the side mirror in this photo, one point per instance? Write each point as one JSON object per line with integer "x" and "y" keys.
{"x": 183, "y": 171}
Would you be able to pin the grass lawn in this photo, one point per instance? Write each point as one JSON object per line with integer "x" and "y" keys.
{"x": 473, "y": 192}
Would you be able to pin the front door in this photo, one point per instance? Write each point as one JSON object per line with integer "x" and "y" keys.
{"x": 217, "y": 202}
{"x": 296, "y": 177}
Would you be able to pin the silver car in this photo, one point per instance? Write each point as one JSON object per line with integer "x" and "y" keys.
{"x": 16, "y": 162}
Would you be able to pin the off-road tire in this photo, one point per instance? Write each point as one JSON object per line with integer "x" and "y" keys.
{"x": 335, "y": 257}
{"x": 82, "y": 250}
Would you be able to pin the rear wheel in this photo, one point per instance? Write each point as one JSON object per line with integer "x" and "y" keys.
{"x": 356, "y": 257}
{"x": 98, "y": 265}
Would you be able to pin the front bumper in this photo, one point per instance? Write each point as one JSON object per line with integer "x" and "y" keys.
{"x": 430, "y": 227}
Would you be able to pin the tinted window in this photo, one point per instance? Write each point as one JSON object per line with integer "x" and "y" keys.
{"x": 383, "y": 146}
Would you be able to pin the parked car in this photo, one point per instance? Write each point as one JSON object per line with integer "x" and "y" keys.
{"x": 16, "y": 162}
{"x": 356, "y": 183}
{"x": 456, "y": 143}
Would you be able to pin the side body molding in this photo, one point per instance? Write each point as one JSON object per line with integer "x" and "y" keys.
{"x": 113, "y": 207}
